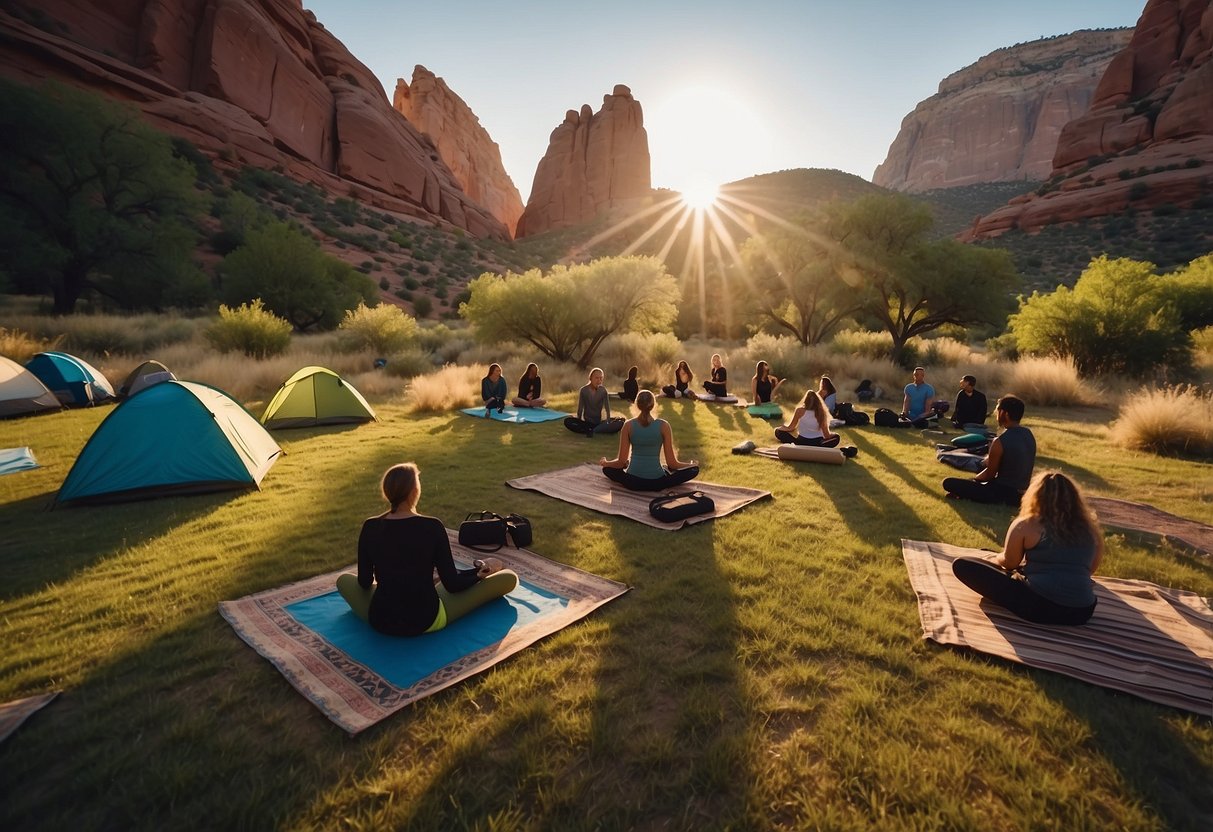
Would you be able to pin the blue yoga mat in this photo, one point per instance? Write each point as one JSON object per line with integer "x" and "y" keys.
{"x": 518, "y": 415}
{"x": 405, "y": 661}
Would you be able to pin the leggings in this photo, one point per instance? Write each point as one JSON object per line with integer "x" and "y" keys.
{"x": 675, "y": 392}
{"x": 612, "y": 425}
{"x": 993, "y": 584}
{"x": 981, "y": 492}
{"x": 451, "y": 605}
{"x": 635, "y": 483}
{"x": 494, "y": 404}
{"x": 715, "y": 388}
{"x": 788, "y": 437}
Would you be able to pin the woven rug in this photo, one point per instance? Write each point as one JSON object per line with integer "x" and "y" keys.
{"x": 585, "y": 485}
{"x": 357, "y": 676}
{"x": 14, "y": 714}
{"x": 517, "y": 415}
{"x": 1143, "y": 639}
{"x": 1156, "y": 523}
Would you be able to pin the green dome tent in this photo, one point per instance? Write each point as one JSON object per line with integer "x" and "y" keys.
{"x": 316, "y": 396}
{"x": 176, "y": 437}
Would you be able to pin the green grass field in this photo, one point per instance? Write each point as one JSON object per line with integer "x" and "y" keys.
{"x": 766, "y": 671}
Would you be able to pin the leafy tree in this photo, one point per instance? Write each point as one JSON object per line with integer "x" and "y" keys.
{"x": 1190, "y": 290}
{"x": 294, "y": 277}
{"x": 908, "y": 285}
{"x": 568, "y": 313}
{"x": 239, "y": 214}
{"x": 1117, "y": 319}
{"x": 384, "y": 329}
{"x": 92, "y": 199}
{"x": 794, "y": 284}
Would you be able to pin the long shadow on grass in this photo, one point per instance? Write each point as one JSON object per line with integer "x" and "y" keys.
{"x": 877, "y": 457}
{"x": 1157, "y": 762}
{"x": 1084, "y": 475}
{"x": 190, "y": 721}
{"x": 866, "y": 504}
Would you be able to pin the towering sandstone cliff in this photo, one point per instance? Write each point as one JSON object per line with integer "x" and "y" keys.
{"x": 998, "y": 120}
{"x": 465, "y": 146}
{"x": 256, "y": 82}
{"x": 1148, "y": 136}
{"x": 594, "y": 162}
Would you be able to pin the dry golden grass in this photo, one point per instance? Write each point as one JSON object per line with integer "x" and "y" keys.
{"x": 1049, "y": 382}
{"x": 1170, "y": 420}
{"x": 21, "y": 346}
{"x": 451, "y": 388}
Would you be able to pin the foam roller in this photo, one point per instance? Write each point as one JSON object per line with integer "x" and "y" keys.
{"x": 811, "y": 453}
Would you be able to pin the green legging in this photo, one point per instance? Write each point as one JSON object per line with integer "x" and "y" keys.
{"x": 451, "y": 605}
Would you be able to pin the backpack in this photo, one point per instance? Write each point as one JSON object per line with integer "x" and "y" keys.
{"x": 886, "y": 418}
{"x": 850, "y": 416}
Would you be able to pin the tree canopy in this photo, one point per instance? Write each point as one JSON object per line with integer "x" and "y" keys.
{"x": 292, "y": 275}
{"x": 92, "y": 199}
{"x": 794, "y": 283}
{"x": 908, "y": 285}
{"x": 1118, "y": 318}
{"x": 568, "y": 313}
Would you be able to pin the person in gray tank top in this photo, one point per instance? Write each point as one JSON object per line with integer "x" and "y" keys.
{"x": 1008, "y": 467}
{"x": 1052, "y": 549}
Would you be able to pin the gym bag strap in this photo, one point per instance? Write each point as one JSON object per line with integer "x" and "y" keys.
{"x": 519, "y": 529}
{"x": 483, "y": 531}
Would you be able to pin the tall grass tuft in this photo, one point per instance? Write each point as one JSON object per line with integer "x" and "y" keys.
{"x": 1049, "y": 382}
{"x": 451, "y": 388}
{"x": 137, "y": 335}
{"x": 1169, "y": 420}
{"x": 21, "y": 346}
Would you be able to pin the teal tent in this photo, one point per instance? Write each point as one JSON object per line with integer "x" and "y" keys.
{"x": 176, "y": 437}
{"x": 72, "y": 379}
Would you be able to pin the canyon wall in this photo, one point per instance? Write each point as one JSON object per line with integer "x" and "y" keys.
{"x": 1147, "y": 139}
{"x": 594, "y": 162}
{"x": 251, "y": 82}
{"x": 999, "y": 119}
{"x": 464, "y": 145}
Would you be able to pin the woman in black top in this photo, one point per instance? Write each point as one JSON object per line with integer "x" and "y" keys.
{"x": 682, "y": 382}
{"x": 763, "y": 385}
{"x": 398, "y": 552}
{"x": 530, "y": 386}
{"x": 720, "y": 376}
{"x": 630, "y": 386}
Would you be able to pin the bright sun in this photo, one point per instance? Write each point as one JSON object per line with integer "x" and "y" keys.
{"x": 700, "y": 195}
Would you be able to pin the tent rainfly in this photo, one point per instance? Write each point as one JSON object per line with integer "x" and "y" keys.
{"x": 21, "y": 392}
{"x": 72, "y": 379}
{"x": 145, "y": 375}
{"x": 177, "y": 437}
{"x": 316, "y": 396}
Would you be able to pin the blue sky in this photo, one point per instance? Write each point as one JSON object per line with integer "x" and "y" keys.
{"x": 729, "y": 89}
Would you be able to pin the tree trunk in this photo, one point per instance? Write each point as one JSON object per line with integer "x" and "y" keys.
{"x": 66, "y": 292}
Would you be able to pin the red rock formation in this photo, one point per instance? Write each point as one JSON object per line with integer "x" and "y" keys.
{"x": 594, "y": 162}
{"x": 255, "y": 82}
{"x": 465, "y": 146}
{"x": 1149, "y": 130}
{"x": 998, "y": 120}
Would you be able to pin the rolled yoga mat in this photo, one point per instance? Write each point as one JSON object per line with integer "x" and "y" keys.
{"x": 811, "y": 453}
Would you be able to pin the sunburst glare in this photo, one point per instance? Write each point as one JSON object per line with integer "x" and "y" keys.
{"x": 700, "y": 195}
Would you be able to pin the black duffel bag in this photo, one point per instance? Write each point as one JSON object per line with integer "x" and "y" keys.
{"x": 483, "y": 531}
{"x": 519, "y": 529}
{"x": 670, "y": 508}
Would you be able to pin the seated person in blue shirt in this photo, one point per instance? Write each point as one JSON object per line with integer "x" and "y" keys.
{"x": 641, "y": 443}
{"x": 916, "y": 406}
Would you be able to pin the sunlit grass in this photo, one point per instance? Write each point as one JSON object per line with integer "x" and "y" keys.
{"x": 766, "y": 670}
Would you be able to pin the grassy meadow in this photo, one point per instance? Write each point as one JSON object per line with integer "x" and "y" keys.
{"x": 766, "y": 671}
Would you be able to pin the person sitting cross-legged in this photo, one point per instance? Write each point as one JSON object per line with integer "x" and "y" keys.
{"x": 1052, "y": 549}
{"x": 530, "y": 388}
{"x": 970, "y": 409}
{"x": 398, "y": 552}
{"x": 492, "y": 390}
{"x": 641, "y": 443}
{"x": 1008, "y": 465}
{"x": 811, "y": 422}
{"x": 592, "y": 401}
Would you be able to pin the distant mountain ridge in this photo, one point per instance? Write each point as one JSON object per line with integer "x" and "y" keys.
{"x": 998, "y": 119}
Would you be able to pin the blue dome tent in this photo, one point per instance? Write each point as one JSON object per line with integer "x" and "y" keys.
{"x": 73, "y": 380}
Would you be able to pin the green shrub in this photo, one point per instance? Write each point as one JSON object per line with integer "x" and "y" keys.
{"x": 423, "y": 305}
{"x": 383, "y": 329}
{"x": 251, "y": 329}
{"x": 410, "y": 363}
